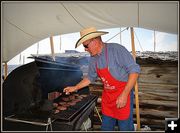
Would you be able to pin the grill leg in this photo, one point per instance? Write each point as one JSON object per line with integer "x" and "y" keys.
{"x": 47, "y": 128}
{"x": 49, "y": 124}
{"x": 84, "y": 126}
{"x": 98, "y": 114}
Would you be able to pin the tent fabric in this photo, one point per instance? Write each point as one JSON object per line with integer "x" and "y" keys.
{"x": 26, "y": 23}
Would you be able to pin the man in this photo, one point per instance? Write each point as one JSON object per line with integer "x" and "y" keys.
{"x": 118, "y": 71}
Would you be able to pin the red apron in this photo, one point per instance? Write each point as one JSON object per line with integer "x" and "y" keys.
{"x": 112, "y": 89}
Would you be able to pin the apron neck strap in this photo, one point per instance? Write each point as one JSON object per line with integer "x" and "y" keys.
{"x": 106, "y": 58}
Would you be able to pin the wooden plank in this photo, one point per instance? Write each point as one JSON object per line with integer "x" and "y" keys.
{"x": 154, "y": 79}
{"x": 158, "y": 114}
{"x": 158, "y": 88}
{"x": 163, "y": 75}
{"x": 159, "y": 96}
{"x": 5, "y": 70}
{"x": 52, "y": 47}
{"x": 163, "y": 103}
{"x": 156, "y": 69}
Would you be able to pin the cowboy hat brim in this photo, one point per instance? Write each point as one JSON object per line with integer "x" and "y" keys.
{"x": 89, "y": 36}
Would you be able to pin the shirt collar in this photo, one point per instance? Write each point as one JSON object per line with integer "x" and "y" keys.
{"x": 102, "y": 52}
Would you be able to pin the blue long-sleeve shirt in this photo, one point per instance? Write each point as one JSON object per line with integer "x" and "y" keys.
{"x": 120, "y": 62}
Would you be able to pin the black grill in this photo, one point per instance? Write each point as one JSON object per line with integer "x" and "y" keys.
{"x": 67, "y": 120}
{"x": 25, "y": 89}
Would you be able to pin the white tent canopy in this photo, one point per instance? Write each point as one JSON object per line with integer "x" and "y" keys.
{"x": 26, "y": 23}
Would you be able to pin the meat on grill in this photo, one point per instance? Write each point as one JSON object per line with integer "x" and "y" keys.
{"x": 65, "y": 99}
{"x": 79, "y": 97}
{"x": 84, "y": 95}
{"x": 71, "y": 103}
{"x": 61, "y": 108}
{"x": 62, "y": 103}
{"x": 66, "y": 105}
{"x": 55, "y": 104}
{"x": 56, "y": 111}
{"x": 76, "y": 95}
{"x": 71, "y": 97}
{"x": 77, "y": 100}
{"x": 54, "y": 95}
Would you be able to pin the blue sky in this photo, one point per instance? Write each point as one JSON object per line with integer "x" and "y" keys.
{"x": 144, "y": 41}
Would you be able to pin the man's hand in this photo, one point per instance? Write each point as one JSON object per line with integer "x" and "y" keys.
{"x": 121, "y": 100}
{"x": 69, "y": 89}
{"x": 80, "y": 85}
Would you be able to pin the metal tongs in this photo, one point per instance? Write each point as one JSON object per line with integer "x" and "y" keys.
{"x": 64, "y": 94}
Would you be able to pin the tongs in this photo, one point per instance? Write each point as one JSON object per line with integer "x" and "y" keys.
{"x": 64, "y": 93}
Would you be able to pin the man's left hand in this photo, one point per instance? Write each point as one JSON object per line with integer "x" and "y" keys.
{"x": 121, "y": 100}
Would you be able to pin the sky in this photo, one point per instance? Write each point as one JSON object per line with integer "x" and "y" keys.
{"x": 144, "y": 41}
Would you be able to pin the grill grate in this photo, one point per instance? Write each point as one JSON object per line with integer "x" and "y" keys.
{"x": 74, "y": 110}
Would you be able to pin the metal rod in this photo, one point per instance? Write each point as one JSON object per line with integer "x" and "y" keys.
{"x": 98, "y": 114}
{"x": 84, "y": 127}
{"x": 25, "y": 121}
{"x": 47, "y": 128}
{"x": 49, "y": 122}
{"x": 117, "y": 34}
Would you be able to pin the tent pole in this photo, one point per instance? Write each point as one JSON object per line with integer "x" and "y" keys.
{"x": 52, "y": 48}
{"x": 136, "y": 84}
{"x": 60, "y": 43}
{"x": 120, "y": 36}
{"x": 20, "y": 59}
{"x": 23, "y": 60}
{"x": 5, "y": 70}
{"x": 154, "y": 40}
{"x": 38, "y": 49}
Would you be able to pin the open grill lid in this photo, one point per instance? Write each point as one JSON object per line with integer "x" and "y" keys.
{"x": 54, "y": 76}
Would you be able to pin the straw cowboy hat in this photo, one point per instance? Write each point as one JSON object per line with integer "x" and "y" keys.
{"x": 87, "y": 34}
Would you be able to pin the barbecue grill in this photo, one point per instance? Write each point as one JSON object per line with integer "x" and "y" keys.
{"x": 70, "y": 119}
{"x": 24, "y": 109}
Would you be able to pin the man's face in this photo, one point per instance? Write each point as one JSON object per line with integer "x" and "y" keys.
{"x": 90, "y": 46}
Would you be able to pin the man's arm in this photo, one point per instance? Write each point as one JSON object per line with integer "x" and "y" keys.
{"x": 83, "y": 83}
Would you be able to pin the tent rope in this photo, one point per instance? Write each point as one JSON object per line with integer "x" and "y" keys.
{"x": 138, "y": 41}
{"x": 21, "y": 29}
{"x": 117, "y": 34}
{"x": 138, "y": 14}
{"x": 72, "y": 15}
